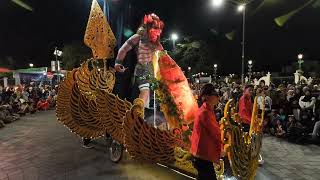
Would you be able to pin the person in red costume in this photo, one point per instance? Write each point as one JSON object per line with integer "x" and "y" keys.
{"x": 206, "y": 142}
{"x": 245, "y": 107}
{"x": 145, "y": 43}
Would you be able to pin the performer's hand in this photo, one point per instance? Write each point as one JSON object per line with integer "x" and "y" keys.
{"x": 119, "y": 68}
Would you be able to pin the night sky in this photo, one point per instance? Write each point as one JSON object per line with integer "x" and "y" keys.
{"x": 30, "y": 36}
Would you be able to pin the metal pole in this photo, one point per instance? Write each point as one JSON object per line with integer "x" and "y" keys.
{"x": 104, "y": 7}
{"x": 154, "y": 109}
{"x": 243, "y": 43}
{"x": 174, "y": 44}
{"x": 57, "y": 65}
{"x": 106, "y": 10}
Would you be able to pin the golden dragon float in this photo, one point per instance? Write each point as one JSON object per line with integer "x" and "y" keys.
{"x": 87, "y": 106}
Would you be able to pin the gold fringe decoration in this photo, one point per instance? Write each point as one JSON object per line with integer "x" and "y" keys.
{"x": 242, "y": 148}
{"x": 145, "y": 143}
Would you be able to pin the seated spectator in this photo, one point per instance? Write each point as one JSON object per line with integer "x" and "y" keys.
{"x": 283, "y": 117}
{"x": 280, "y": 132}
{"x": 42, "y": 105}
{"x": 287, "y": 106}
{"x": 51, "y": 101}
{"x": 316, "y": 131}
{"x": 274, "y": 118}
{"x": 5, "y": 115}
{"x": 295, "y": 130}
{"x": 295, "y": 103}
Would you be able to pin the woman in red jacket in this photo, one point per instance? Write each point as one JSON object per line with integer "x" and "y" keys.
{"x": 205, "y": 140}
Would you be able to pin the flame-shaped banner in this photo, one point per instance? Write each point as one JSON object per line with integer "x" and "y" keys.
{"x": 99, "y": 36}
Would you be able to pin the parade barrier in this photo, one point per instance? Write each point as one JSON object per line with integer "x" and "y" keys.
{"x": 87, "y": 106}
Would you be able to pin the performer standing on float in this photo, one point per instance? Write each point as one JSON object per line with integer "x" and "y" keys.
{"x": 145, "y": 42}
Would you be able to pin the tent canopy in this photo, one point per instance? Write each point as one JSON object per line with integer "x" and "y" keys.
{"x": 4, "y": 70}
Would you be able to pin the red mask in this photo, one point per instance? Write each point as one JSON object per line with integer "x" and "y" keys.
{"x": 155, "y": 31}
{"x": 154, "y": 34}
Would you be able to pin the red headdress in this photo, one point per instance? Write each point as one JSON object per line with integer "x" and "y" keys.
{"x": 154, "y": 20}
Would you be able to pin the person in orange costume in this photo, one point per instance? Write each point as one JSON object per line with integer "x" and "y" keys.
{"x": 206, "y": 142}
{"x": 245, "y": 107}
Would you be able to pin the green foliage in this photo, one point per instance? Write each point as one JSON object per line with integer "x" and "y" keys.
{"x": 74, "y": 54}
{"x": 168, "y": 100}
{"x": 316, "y": 4}
{"x": 194, "y": 54}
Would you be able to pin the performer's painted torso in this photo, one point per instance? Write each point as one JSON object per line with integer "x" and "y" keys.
{"x": 144, "y": 49}
{"x": 145, "y": 52}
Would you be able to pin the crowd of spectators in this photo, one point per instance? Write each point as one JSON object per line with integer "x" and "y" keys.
{"x": 16, "y": 101}
{"x": 291, "y": 111}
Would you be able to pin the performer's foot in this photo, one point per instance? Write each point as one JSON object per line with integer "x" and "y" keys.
{"x": 87, "y": 146}
{"x": 260, "y": 161}
{"x": 86, "y": 142}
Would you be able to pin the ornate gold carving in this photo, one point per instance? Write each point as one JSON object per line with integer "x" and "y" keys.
{"x": 77, "y": 103}
{"x": 76, "y": 111}
{"x": 241, "y": 147}
{"x": 90, "y": 82}
{"x": 99, "y": 36}
{"x": 183, "y": 161}
{"x": 112, "y": 110}
{"x": 145, "y": 143}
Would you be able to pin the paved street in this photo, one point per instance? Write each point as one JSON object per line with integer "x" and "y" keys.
{"x": 37, "y": 147}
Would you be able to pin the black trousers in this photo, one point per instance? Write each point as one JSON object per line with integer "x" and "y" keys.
{"x": 246, "y": 127}
{"x": 205, "y": 169}
{"x": 86, "y": 141}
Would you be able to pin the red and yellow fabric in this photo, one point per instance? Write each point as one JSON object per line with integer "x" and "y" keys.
{"x": 166, "y": 70}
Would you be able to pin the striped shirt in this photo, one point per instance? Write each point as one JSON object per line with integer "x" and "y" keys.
{"x": 144, "y": 50}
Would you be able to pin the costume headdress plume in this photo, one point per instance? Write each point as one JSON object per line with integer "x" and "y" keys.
{"x": 99, "y": 36}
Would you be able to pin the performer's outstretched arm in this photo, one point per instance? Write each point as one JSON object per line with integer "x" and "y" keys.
{"x": 127, "y": 46}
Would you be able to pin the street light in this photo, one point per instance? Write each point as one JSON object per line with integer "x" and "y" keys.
{"x": 174, "y": 38}
{"x": 31, "y": 65}
{"x": 215, "y": 68}
{"x": 300, "y": 61}
{"x": 250, "y": 62}
{"x": 217, "y": 3}
{"x": 241, "y": 8}
{"x": 57, "y": 53}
